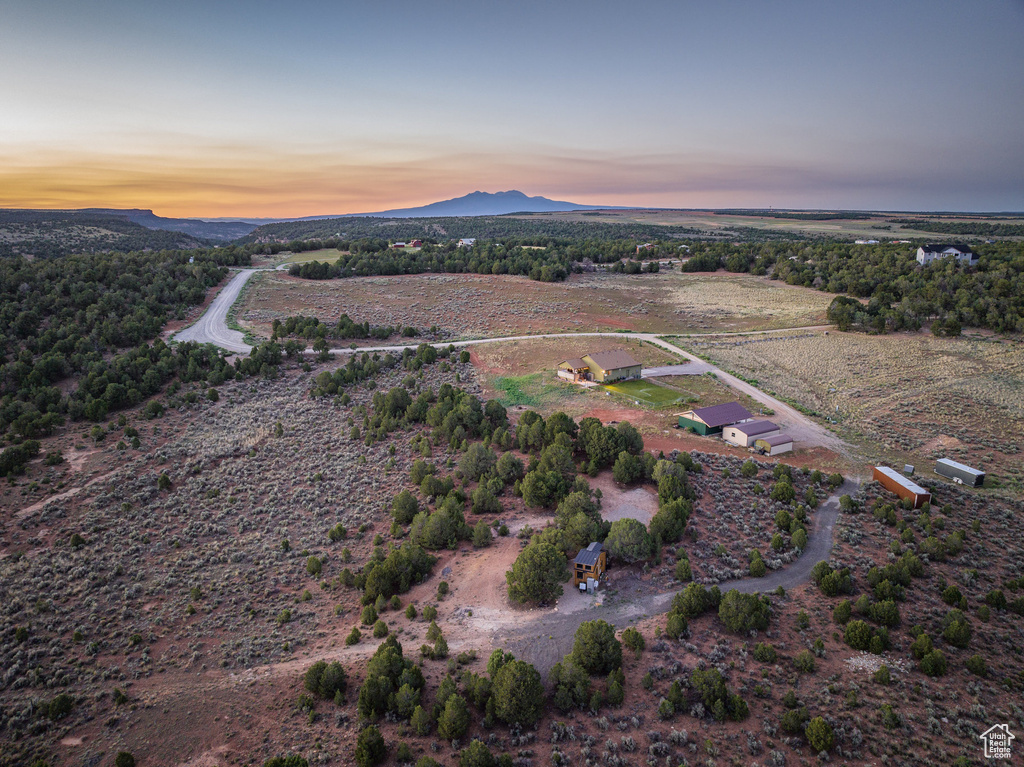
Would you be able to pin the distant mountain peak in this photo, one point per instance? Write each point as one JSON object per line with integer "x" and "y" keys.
{"x": 480, "y": 203}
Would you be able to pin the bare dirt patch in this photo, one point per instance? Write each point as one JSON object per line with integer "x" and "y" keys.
{"x": 617, "y": 502}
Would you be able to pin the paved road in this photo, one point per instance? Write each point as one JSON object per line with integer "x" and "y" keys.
{"x": 546, "y": 639}
{"x": 212, "y": 327}
{"x": 691, "y": 369}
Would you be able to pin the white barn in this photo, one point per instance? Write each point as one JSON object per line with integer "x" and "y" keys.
{"x": 928, "y": 253}
{"x": 744, "y": 434}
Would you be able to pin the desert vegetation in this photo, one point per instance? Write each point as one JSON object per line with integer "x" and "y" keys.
{"x": 365, "y": 560}
{"x": 902, "y": 294}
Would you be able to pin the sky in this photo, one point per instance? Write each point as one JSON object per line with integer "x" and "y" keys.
{"x": 259, "y": 108}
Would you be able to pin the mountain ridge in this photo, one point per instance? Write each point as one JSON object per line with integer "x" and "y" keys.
{"x": 474, "y": 204}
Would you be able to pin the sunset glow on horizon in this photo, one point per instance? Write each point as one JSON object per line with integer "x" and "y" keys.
{"x": 264, "y": 110}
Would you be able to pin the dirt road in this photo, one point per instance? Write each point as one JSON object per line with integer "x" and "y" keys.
{"x": 804, "y": 431}
{"x": 212, "y": 328}
{"x": 546, "y": 639}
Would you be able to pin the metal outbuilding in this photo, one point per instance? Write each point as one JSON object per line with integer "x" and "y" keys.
{"x": 904, "y": 487}
{"x": 774, "y": 444}
{"x": 710, "y": 420}
{"x": 959, "y": 473}
{"x": 744, "y": 434}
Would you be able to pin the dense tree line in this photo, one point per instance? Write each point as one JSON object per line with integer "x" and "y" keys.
{"x": 543, "y": 259}
{"x": 821, "y": 215}
{"x": 979, "y": 228}
{"x": 88, "y": 318}
{"x": 52, "y": 234}
{"x": 902, "y": 294}
{"x": 311, "y": 329}
{"x": 445, "y": 228}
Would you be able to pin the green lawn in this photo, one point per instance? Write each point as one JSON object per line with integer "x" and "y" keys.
{"x": 512, "y": 390}
{"x": 540, "y": 390}
{"x": 327, "y": 254}
{"x": 646, "y": 392}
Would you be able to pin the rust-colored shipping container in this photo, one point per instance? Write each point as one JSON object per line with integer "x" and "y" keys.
{"x": 904, "y": 487}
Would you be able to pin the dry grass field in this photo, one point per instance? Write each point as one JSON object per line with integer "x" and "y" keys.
{"x": 711, "y": 223}
{"x": 327, "y": 254}
{"x": 469, "y": 305}
{"x": 908, "y": 397}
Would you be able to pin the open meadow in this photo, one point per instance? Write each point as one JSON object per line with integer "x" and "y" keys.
{"x": 470, "y": 305}
{"x": 909, "y": 397}
{"x": 725, "y": 224}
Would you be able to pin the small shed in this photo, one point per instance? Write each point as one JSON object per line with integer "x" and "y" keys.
{"x": 591, "y": 562}
{"x": 904, "y": 487}
{"x": 711, "y": 420}
{"x": 744, "y": 434}
{"x": 774, "y": 444}
{"x": 959, "y": 473}
{"x": 615, "y": 365}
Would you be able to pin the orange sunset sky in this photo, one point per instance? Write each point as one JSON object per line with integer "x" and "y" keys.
{"x": 276, "y": 110}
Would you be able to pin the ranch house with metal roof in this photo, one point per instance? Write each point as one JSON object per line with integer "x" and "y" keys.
{"x": 602, "y": 367}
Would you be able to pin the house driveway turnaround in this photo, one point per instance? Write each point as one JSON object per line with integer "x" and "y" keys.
{"x": 545, "y": 640}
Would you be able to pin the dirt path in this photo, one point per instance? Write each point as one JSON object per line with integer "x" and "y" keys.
{"x": 30, "y": 510}
{"x": 477, "y": 615}
{"x": 547, "y": 639}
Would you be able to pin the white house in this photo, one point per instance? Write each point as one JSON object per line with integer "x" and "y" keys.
{"x": 467, "y": 242}
{"x": 930, "y": 252}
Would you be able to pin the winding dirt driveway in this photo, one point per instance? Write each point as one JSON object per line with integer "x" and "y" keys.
{"x": 545, "y": 640}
